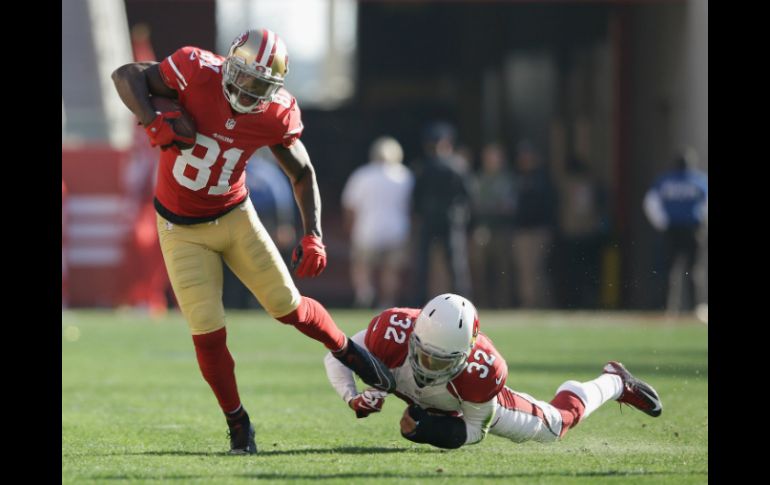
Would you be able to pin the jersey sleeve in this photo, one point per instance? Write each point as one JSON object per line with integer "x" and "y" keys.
{"x": 291, "y": 122}
{"x": 485, "y": 375}
{"x": 340, "y": 377}
{"x": 388, "y": 335}
{"x": 179, "y": 69}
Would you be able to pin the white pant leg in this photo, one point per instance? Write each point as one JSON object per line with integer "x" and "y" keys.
{"x": 520, "y": 417}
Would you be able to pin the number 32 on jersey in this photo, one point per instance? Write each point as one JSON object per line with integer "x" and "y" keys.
{"x": 391, "y": 332}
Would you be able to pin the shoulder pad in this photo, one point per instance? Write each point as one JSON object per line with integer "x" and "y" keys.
{"x": 484, "y": 376}
{"x": 388, "y": 335}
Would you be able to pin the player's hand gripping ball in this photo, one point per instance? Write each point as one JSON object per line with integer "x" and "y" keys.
{"x": 172, "y": 125}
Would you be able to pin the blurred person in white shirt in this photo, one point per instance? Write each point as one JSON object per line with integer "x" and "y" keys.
{"x": 375, "y": 201}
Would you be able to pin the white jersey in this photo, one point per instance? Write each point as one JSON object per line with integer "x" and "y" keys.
{"x": 379, "y": 194}
{"x": 478, "y": 396}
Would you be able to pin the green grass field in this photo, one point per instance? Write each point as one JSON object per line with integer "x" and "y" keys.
{"x": 135, "y": 408}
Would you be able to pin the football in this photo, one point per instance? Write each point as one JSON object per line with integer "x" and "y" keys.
{"x": 184, "y": 125}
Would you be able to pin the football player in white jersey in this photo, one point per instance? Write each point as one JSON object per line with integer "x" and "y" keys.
{"x": 453, "y": 380}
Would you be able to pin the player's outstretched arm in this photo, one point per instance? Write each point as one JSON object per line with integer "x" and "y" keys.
{"x": 309, "y": 258}
{"x": 341, "y": 378}
{"x": 295, "y": 162}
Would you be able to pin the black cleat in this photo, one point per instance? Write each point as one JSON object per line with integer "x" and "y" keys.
{"x": 242, "y": 439}
{"x": 368, "y": 367}
{"x": 636, "y": 393}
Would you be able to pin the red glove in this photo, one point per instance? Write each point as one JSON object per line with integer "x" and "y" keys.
{"x": 309, "y": 257}
{"x": 368, "y": 402}
{"x": 161, "y": 131}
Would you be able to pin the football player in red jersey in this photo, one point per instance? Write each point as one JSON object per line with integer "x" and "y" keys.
{"x": 204, "y": 214}
{"x": 453, "y": 380}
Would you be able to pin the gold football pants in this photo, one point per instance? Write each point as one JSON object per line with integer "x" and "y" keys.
{"x": 194, "y": 254}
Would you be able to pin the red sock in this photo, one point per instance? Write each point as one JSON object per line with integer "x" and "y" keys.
{"x": 312, "y": 319}
{"x": 571, "y": 408}
{"x": 218, "y": 367}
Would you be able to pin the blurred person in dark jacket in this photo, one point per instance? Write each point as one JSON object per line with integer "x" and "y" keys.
{"x": 582, "y": 226}
{"x": 441, "y": 204}
{"x": 494, "y": 205}
{"x": 677, "y": 206}
{"x": 533, "y": 228}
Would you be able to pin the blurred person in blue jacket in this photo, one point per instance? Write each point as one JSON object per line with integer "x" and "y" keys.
{"x": 677, "y": 206}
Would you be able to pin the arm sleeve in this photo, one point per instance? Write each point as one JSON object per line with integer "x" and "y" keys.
{"x": 340, "y": 377}
{"x": 478, "y": 419}
{"x": 291, "y": 121}
{"x": 178, "y": 69}
{"x": 653, "y": 208}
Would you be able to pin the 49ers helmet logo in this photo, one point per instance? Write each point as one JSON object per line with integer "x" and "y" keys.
{"x": 240, "y": 40}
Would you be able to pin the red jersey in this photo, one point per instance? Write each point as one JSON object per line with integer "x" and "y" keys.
{"x": 387, "y": 337}
{"x": 209, "y": 179}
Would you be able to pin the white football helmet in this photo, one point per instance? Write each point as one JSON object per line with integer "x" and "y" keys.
{"x": 443, "y": 337}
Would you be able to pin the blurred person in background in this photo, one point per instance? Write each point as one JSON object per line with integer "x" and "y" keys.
{"x": 677, "y": 206}
{"x": 441, "y": 205}
{"x": 273, "y": 199}
{"x": 204, "y": 214}
{"x": 453, "y": 381}
{"x": 582, "y": 226}
{"x": 533, "y": 232}
{"x": 375, "y": 201}
{"x": 494, "y": 206}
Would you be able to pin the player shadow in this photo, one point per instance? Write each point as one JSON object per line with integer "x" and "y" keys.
{"x": 441, "y": 475}
{"x": 343, "y": 450}
{"x": 437, "y": 475}
{"x": 346, "y": 450}
{"x": 135, "y": 477}
{"x": 172, "y": 453}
